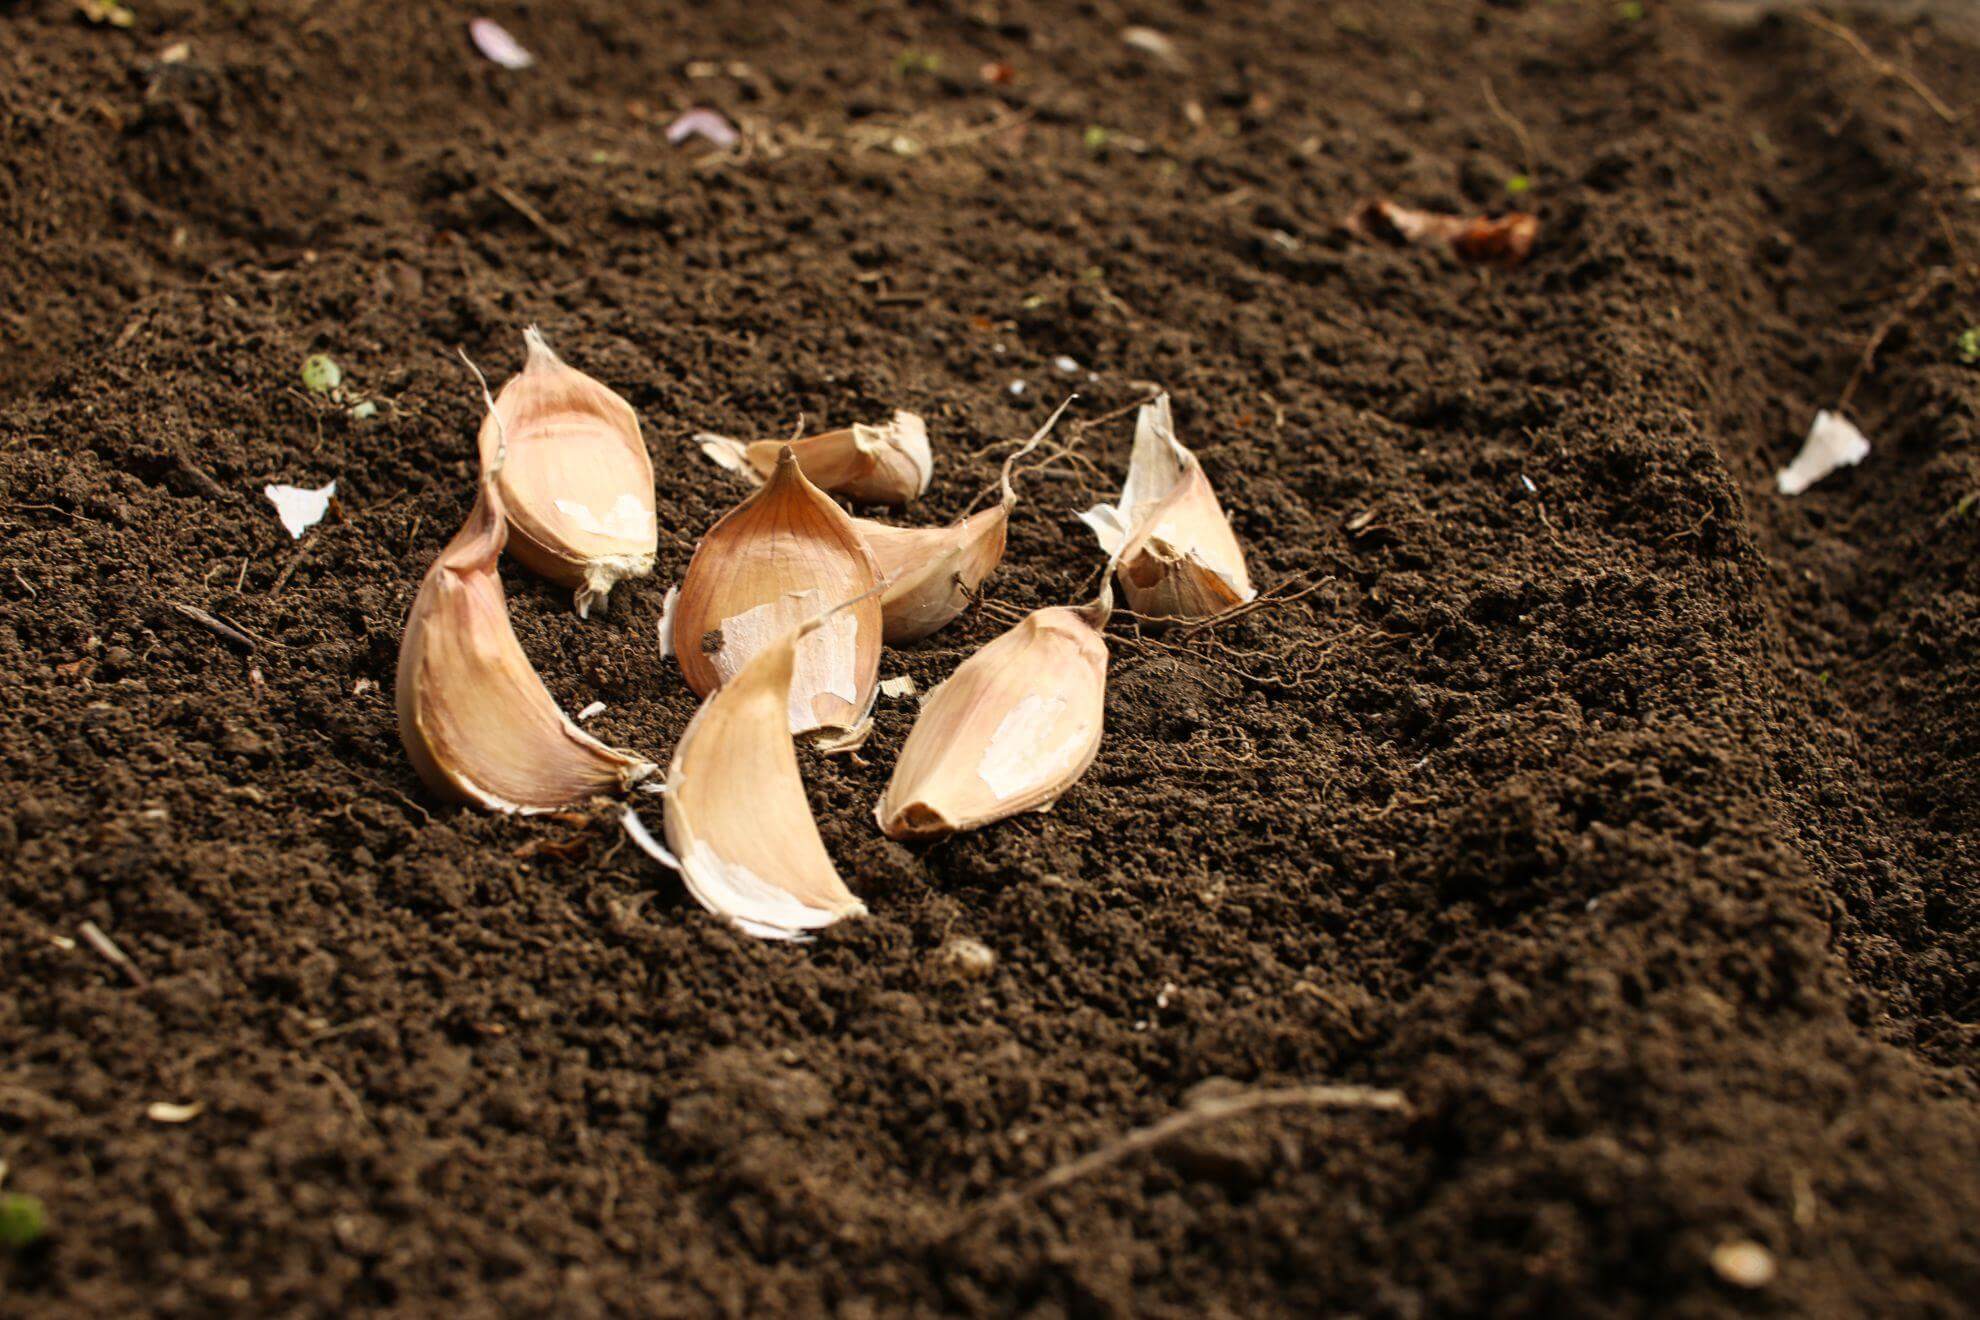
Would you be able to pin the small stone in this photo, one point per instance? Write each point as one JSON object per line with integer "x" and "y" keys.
{"x": 965, "y": 959}
{"x": 1744, "y": 1264}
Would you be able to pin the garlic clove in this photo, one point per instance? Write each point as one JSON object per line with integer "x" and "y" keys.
{"x": 476, "y": 720}
{"x": 1178, "y": 557}
{"x": 886, "y": 464}
{"x": 1010, "y": 731}
{"x": 577, "y": 482}
{"x": 739, "y": 826}
{"x": 931, "y": 572}
{"x": 774, "y": 561}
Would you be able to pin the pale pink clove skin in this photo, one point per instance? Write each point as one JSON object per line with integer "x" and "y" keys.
{"x": 494, "y": 41}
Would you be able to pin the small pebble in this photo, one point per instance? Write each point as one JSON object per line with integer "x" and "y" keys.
{"x": 966, "y": 959}
{"x": 1066, "y": 365}
{"x": 1744, "y": 1264}
{"x": 1018, "y": 387}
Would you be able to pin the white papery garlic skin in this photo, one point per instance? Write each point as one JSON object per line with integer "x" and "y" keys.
{"x": 739, "y": 827}
{"x": 1178, "y": 557}
{"x": 577, "y": 482}
{"x": 891, "y": 463}
{"x": 1010, "y": 731}
{"x": 1833, "y": 442}
{"x": 476, "y": 720}
{"x": 773, "y": 562}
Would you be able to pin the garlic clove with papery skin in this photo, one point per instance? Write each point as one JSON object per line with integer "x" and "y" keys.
{"x": 774, "y": 561}
{"x": 886, "y": 464}
{"x": 476, "y": 720}
{"x": 739, "y": 826}
{"x": 931, "y": 572}
{"x": 1011, "y": 730}
{"x": 577, "y": 482}
{"x": 1178, "y": 557}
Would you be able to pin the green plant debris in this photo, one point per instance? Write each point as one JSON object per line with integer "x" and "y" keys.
{"x": 911, "y": 63}
{"x": 1096, "y": 138}
{"x": 1966, "y": 503}
{"x": 321, "y": 374}
{"x": 1630, "y": 11}
{"x": 1967, "y": 346}
{"x": 363, "y": 410}
{"x": 22, "y": 1221}
{"x": 1518, "y": 184}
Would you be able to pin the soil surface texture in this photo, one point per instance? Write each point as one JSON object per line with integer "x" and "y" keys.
{"x": 1615, "y": 809}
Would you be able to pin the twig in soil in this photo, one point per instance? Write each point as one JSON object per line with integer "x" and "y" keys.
{"x": 1080, "y": 424}
{"x": 202, "y": 479}
{"x": 530, "y": 213}
{"x": 1884, "y": 67}
{"x": 1506, "y": 117}
{"x": 1159, "y": 1134}
{"x": 295, "y": 562}
{"x": 219, "y": 627}
{"x": 93, "y": 935}
{"x": 1927, "y": 286}
{"x": 341, "y": 1087}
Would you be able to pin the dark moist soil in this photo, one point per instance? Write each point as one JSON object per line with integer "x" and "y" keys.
{"x": 1614, "y": 808}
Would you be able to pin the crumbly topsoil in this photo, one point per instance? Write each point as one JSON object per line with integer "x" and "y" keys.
{"x": 1615, "y": 809}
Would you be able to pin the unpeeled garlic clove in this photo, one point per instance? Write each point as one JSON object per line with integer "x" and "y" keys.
{"x": 577, "y": 482}
{"x": 931, "y": 572}
{"x": 774, "y": 561}
{"x": 476, "y": 721}
{"x": 738, "y": 824}
{"x": 886, "y": 464}
{"x": 1010, "y": 731}
{"x": 1178, "y": 557}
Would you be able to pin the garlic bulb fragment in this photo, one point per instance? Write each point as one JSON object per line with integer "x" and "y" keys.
{"x": 577, "y": 483}
{"x": 1009, "y": 731}
{"x": 774, "y": 561}
{"x": 886, "y": 464}
{"x": 739, "y": 826}
{"x": 1833, "y": 442}
{"x": 931, "y": 572}
{"x": 477, "y": 722}
{"x": 1178, "y": 557}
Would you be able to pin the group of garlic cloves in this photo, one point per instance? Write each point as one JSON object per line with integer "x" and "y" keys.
{"x": 778, "y": 625}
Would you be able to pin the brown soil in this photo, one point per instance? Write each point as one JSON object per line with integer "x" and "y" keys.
{"x": 1617, "y": 810}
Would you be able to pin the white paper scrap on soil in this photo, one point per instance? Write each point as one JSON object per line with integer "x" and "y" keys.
{"x": 300, "y": 509}
{"x": 1833, "y": 442}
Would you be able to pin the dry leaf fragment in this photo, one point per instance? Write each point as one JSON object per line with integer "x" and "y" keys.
{"x": 1504, "y": 240}
{"x": 886, "y": 464}
{"x": 774, "y": 561}
{"x": 1177, "y": 555}
{"x": 577, "y": 483}
{"x": 476, "y": 720}
{"x": 739, "y": 826}
{"x": 1010, "y": 731}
